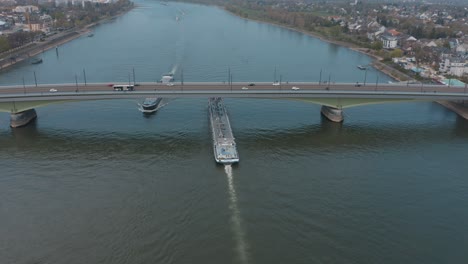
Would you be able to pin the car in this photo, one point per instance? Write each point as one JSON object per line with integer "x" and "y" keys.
{"x": 276, "y": 83}
{"x": 244, "y": 88}
{"x": 53, "y": 90}
{"x": 295, "y": 88}
{"x": 358, "y": 85}
{"x": 170, "y": 84}
{"x": 251, "y": 84}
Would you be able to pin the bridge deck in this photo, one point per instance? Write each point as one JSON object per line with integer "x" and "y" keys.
{"x": 332, "y": 90}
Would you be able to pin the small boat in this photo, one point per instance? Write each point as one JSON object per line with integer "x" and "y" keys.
{"x": 361, "y": 67}
{"x": 90, "y": 35}
{"x": 167, "y": 78}
{"x": 150, "y": 105}
{"x": 36, "y": 61}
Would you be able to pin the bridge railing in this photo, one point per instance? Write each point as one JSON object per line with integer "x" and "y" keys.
{"x": 235, "y": 86}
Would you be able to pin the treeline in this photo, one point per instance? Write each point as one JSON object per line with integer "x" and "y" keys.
{"x": 67, "y": 16}
{"x": 301, "y": 20}
{"x": 16, "y": 39}
{"x": 419, "y": 30}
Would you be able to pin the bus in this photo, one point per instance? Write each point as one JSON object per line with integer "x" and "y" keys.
{"x": 123, "y": 87}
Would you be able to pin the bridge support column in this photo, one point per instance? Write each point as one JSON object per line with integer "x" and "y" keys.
{"x": 332, "y": 114}
{"x": 22, "y": 118}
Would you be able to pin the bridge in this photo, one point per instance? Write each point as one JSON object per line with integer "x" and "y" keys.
{"x": 21, "y": 100}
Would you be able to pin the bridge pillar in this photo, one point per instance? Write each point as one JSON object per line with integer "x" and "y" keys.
{"x": 332, "y": 114}
{"x": 22, "y": 118}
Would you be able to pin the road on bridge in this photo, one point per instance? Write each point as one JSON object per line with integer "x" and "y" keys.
{"x": 246, "y": 87}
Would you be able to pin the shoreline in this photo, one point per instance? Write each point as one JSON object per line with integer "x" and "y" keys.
{"x": 34, "y": 48}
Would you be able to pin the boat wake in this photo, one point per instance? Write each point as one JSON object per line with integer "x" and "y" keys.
{"x": 179, "y": 49}
{"x": 174, "y": 69}
{"x": 239, "y": 233}
{"x": 161, "y": 105}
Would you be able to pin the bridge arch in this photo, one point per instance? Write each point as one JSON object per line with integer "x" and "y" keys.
{"x": 342, "y": 103}
{"x": 16, "y": 107}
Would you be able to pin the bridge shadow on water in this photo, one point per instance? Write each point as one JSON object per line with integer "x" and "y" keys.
{"x": 342, "y": 137}
{"x": 326, "y": 135}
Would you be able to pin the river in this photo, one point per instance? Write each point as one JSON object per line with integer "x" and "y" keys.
{"x": 97, "y": 182}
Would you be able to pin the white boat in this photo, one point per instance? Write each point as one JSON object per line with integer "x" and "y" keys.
{"x": 150, "y": 105}
{"x": 167, "y": 78}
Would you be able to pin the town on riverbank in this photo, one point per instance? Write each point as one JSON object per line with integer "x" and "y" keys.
{"x": 29, "y": 27}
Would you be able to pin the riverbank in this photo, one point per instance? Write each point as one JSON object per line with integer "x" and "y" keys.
{"x": 35, "y": 48}
{"x": 310, "y": 33}
{"x": 392, "y": 72}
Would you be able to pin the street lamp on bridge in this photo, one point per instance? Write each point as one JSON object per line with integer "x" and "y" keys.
{"x": 365, "y": 77}
{"x": 231, "y": 82}
{"x": 320, "y": 78}
{"x": 182, "y": 78}
{"x": 35, "y": 79}
{"x": 76, "y": 82}
{"x": 84, "y": 75}
{"x": 376, "y": 82}
{"x": 281, "y": 85}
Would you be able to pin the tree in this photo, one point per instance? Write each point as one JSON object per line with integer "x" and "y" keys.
{"x": 396, "y": 53}
{"x": 4, "y": 45}
{"x": 432, "y": 35}
{"x": 335, "y": 31}
{"x": 346, "y": 27}
{"x": 377, "y": 45}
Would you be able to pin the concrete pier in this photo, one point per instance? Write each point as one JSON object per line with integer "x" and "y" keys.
{"x": 332, "y": 114}
{"x": 22, "y": 118}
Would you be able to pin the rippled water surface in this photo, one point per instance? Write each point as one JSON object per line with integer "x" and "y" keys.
{"x": 97, "y": 182}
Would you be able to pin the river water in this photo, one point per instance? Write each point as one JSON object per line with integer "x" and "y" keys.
{"x": 97, "y": 182}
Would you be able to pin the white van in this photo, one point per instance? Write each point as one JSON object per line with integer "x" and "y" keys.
{"x": 123, "y": 87}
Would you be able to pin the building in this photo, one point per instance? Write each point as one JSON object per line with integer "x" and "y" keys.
{"x": 24, "y": 9}
{"x": 389, "y": 41}
{"x": 462, "y": 49}
{"x": 36, "y": 27}
{"x": 454, "y": 66}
